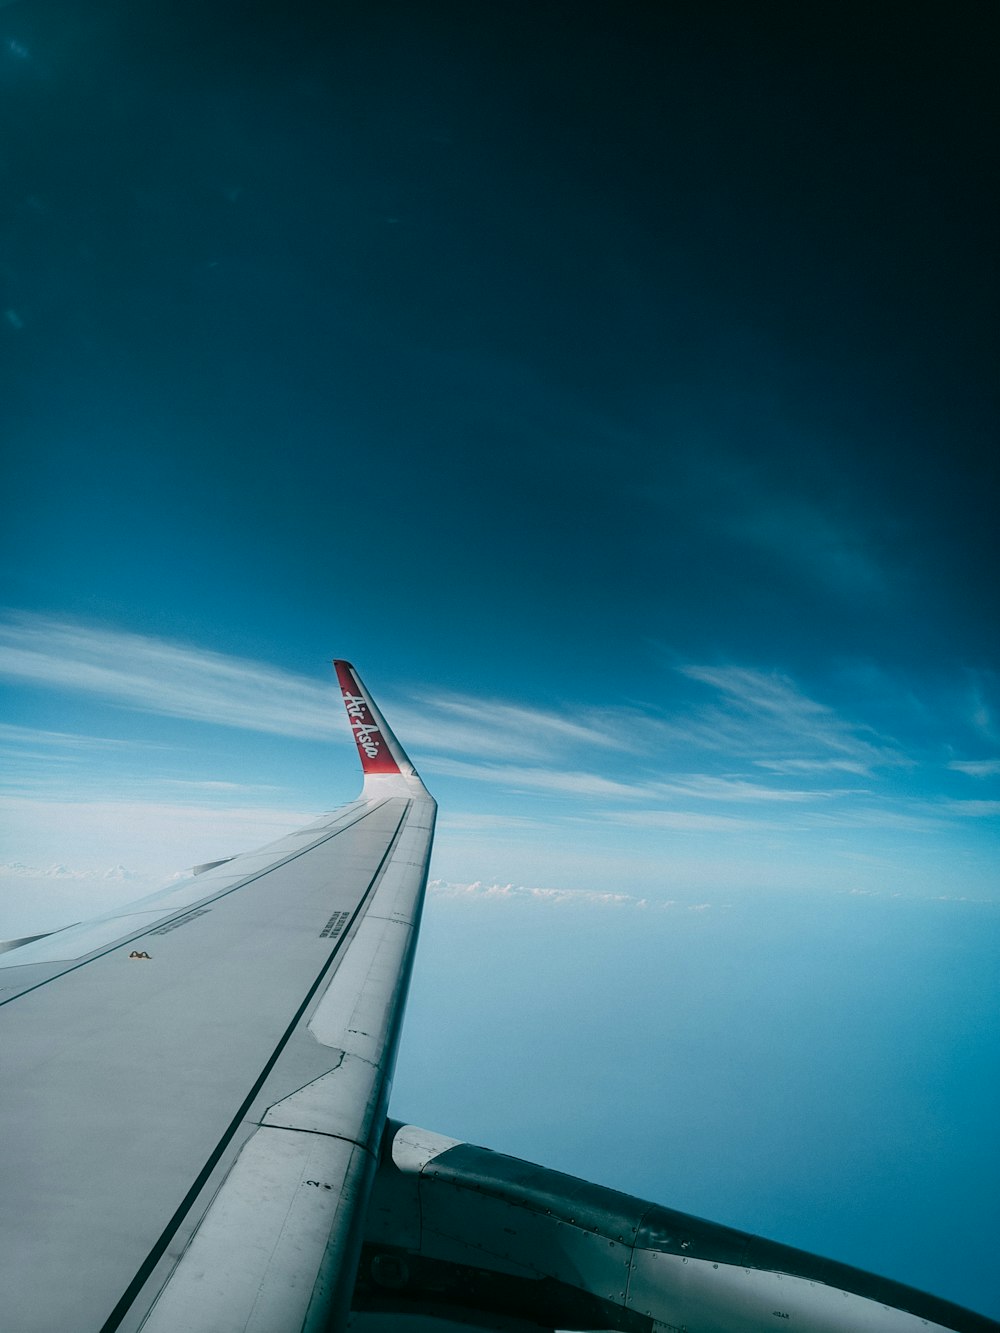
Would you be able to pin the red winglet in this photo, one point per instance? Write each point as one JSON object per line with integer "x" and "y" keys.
{"x": 373, "y": 747}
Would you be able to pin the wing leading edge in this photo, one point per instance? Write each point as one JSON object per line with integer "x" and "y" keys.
{"x": 195, "y": 1087}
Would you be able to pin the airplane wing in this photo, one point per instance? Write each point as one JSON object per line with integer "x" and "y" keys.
{"x": 194, "y": 1135}
{"x": 194, "y": 1087}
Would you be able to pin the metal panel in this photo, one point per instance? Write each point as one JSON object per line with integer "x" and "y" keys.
{"x": 357, "y": 1008}
{"x": 608, "y": 1212}
{"x": 696, "y": 1293}
{"x": 258, "y": 1262}
{"x": 342, "y": 1103}
{"x": 410, "y": 1148}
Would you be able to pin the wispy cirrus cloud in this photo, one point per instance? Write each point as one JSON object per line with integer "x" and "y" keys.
{"x": 30, "y": 755}
{"x": 11, "y": 735}
{"x": 553, "y": 780}
{"x": 803, "y": 767}
{"x": 767, "y": 718}
{"x": 491, "y": 728}
{"x": 687, "y": 821}
{"x": 535, "y": 729}
{"x": 976, "y": 768}
{"x": 902, "y": 817}
{"x": 214, "y": 786}
{"x": 782, "y": 749}
{"x": 479, "y": 822}
{"x": 159, "y": 676}
{"x": 973, "y": 809}
{"x": 708, "y": 787}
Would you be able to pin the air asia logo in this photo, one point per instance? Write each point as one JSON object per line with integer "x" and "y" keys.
{"x": 373, "y": 741}
{"x": 365, "y": 730}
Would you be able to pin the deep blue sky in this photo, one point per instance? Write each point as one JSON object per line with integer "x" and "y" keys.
{"x": 617, "y": 325}
{"x": 616, "y": 386}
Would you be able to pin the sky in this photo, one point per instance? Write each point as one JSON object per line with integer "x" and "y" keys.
{"x": 616, "y": 387}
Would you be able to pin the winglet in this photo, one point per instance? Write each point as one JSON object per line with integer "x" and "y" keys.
{"x": 380, "y": 752}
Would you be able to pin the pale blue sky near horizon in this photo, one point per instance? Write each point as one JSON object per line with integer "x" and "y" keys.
{"x": 619, "y": 395}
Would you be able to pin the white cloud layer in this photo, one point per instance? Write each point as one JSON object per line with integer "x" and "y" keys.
{"x": 555, "y": 897}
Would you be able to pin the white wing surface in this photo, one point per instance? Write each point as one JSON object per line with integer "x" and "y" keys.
{"x": 194, "y": 1088}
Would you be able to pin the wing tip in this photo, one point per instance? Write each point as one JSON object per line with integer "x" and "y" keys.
{"x": 380, "y": 752}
